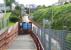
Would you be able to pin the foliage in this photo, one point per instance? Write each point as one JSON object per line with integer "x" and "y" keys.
{"x": 7, "y": 15}
{"x": 68, "y": 41}
{"x": 4, "y": 21}
{"x": 40, "y": 7}
{"x": 17, "y": 11}
{"x": 68, "y": 37}
{"x": 11, "y": 23}
{"x": 61, "y": 16}
{"x": 13, "y": 18}
{"x": 9, "y": 2}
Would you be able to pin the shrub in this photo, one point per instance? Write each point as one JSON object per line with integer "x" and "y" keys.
{"x": 13, "y": 18}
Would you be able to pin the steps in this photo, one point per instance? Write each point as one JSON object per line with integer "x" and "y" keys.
{"x": 23, "y": 42}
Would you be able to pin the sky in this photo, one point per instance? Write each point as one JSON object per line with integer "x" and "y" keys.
{"x": 1, "y": 1}
{"x": 36, "y": 2}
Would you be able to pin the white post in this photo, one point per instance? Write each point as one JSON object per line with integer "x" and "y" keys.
{"x": 49, "y": 38}
{"x": 29, "y": 10}
{"x": 5, "y": 8}
{"x": 43, "y": 35}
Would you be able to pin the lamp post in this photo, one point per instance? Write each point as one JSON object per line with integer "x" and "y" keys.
{"x": 22, "y": 10}
{"x": 49, "y": 22}
{"x": 43, "y": 35}
{"x": 49, "y": 34}
{"x": 5, "y": 8}
{"x": 29, "y": 10}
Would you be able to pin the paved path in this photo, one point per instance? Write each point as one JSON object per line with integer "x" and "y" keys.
{"x": 23, "y": 42}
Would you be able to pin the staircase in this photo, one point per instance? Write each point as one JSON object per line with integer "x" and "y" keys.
{"x": 23, "y": 42}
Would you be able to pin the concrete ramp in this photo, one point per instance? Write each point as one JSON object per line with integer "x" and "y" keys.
{"x": 23, "y": 42}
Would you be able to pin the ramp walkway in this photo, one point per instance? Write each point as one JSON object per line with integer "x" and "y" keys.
{"x": 23, "y": 42}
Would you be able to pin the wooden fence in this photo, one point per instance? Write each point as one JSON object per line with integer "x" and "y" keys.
{"x": 7, "y": 37}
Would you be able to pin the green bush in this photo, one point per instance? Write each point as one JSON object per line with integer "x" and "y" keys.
{"x": 13, "y": 18}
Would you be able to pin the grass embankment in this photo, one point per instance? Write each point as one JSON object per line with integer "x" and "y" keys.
{"x": 61, "y": 16}
{"x": 7, "y": 15}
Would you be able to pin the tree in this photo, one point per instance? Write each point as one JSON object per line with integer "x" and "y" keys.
{"x": 40, "y": 7}
{"x": 9, "y": 2}
{"x": 17, "y": 10}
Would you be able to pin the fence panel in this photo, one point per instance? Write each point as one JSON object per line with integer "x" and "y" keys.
{"x": 67, "y": 42}
{"x": 57, "y": 38}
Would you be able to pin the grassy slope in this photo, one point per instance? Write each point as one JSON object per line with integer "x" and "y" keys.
{"x": 61, "y": 16}
{"x": 7, "y": 15}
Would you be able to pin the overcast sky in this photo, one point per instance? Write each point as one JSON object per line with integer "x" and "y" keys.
{"x": 36, "y": 2}
{"x": 1, "y": 1}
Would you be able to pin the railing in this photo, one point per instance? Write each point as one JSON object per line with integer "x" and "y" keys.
{"x": 7, "y": 37}
{"x": 37, "y": 34}
{"x": 57, "y": 37}
{"x": 4, "y": 23}
{"x": 67, "y": 42}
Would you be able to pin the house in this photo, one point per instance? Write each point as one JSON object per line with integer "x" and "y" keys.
{"x": 63, "y": 1}
{"x": 3, "y": 7}
{"x": 13, "y": 6}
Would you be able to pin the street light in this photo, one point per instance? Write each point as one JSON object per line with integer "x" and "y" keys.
{"x": 49, "y": 34}
{"x": 22, "y": 10}
{"x": 29, "y": 10}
